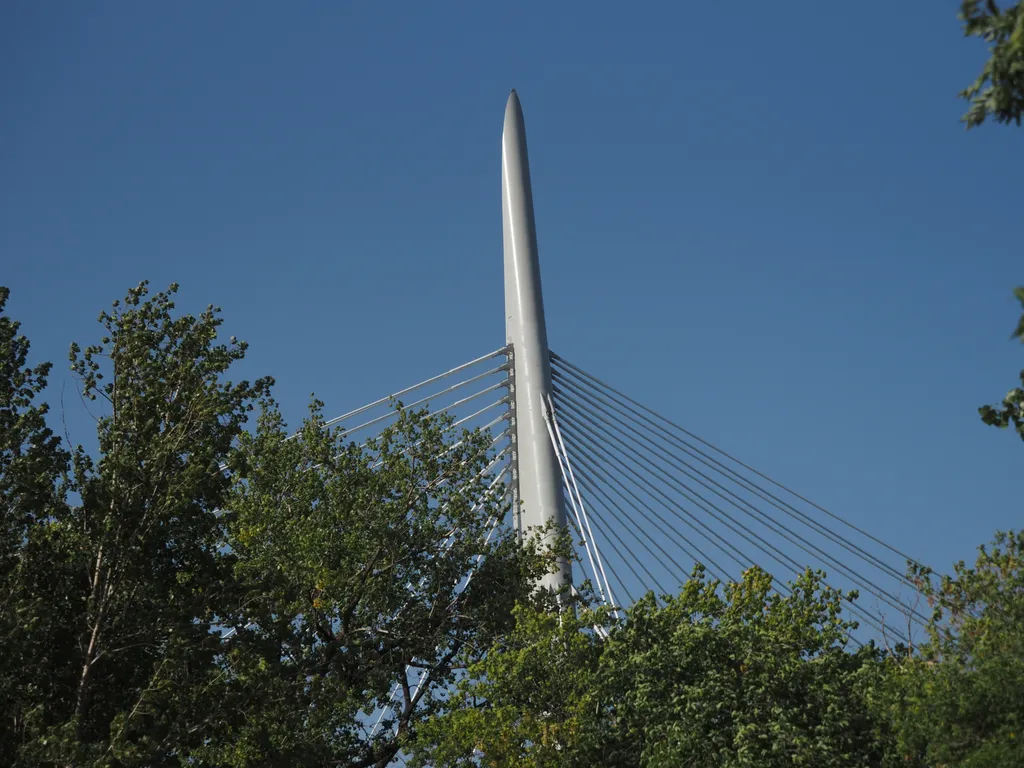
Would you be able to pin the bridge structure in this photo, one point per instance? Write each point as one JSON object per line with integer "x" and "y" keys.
{"x": 644, "y": 498}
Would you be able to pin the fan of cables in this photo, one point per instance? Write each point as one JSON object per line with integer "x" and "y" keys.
{"x": 656, "y": 499}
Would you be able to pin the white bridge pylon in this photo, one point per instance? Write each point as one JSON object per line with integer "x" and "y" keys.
{"x": 537, "y": 477}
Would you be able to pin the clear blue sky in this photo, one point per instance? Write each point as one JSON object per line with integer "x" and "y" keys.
{"x": 763, "y": 219}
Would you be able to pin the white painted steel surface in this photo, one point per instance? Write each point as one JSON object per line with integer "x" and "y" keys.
{"x": 539, "y": 478}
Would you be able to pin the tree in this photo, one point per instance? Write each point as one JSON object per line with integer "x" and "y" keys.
{"x": 199, "y": 594}
{"x": 31, "y": 458}
{"x": 998, "y": 92}
{"x": 33, "y": 467}
{"x": 117, "y": 590}
{"x": 960, "y": 701}
{"x": 369, "y": 578}
{"x": 148, "y": 523}
{"x": 1011, "y": 410}
{"x": 722, "y": 675}
{"x": 532, "y": 700}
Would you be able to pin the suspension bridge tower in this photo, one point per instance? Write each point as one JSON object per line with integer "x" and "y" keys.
{"x": 537, "y": 481}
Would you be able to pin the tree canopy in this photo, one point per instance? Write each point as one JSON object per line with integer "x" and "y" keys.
{"x": 998, "y": 91}
{"x": 960, "y": 699}
{"x": 202, "y": 593}
{"x": 1011, "y": 410}
{"x": 720, "y": 675}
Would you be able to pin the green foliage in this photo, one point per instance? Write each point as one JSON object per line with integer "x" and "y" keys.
{"x": 718, "y": 676}
{"x": 352, "y": 567}
{"x": 531, "y": 701}
{"x": 31, "y": 457}
{"x": 33, "y": 469}
{"x": 342, "y": 571}
{"x": 1011, "y": 410}
{"x": 133, "y": 569}
{"x": 960, "y": 701}
{"x": 998, "y": 91}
